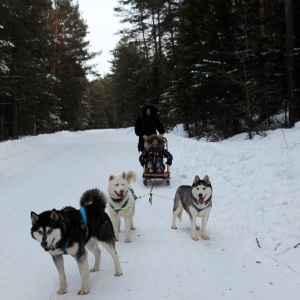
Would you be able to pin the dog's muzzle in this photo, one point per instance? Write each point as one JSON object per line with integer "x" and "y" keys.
{"x": 201, "y": 198}
{"x": 44, "y": 245}
{"x": 121, "y": 195}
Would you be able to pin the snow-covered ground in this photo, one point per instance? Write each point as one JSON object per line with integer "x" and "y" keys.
{"x": 254, "y": 226}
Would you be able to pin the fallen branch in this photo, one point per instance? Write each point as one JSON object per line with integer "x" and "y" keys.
{"x": 297, "y": 245}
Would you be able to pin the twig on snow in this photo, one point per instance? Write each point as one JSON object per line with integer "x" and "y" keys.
{"x": 277, "y": 246}
{"x": 258, "y": 243}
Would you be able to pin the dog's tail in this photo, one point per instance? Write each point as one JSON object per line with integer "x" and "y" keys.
{"x": 93, "y": 196}
{"x": 130, "y": 176}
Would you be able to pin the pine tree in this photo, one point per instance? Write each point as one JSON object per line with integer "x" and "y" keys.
{"x": 129, "y": 82}
{"x": 26, "y": 76}
{"x": 69, "y": 69}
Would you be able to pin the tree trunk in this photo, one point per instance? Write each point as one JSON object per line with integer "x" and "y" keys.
{"x": 290, "y": 62}
{"x": 15, "y": 120}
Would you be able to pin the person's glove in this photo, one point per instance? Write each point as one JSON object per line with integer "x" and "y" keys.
{"x": 145, "y": 137}
{"x": 169, "y": 163}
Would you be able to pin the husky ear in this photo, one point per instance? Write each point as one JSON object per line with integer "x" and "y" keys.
{"x": 123, "y": 175}
{"x": 111, "y": 177}
{"x": 54, "y": 215}
{"x": 196, "y": 180}
{"x": 34, "y": 218}
{"x": 206, "y": 179}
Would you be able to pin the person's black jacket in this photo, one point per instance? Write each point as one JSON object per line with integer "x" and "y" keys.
{"x": 154, "y": 154}
{"x": 147, "y": 125}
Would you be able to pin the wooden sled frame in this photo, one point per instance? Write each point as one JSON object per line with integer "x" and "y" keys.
{"x": 148, "y": 177}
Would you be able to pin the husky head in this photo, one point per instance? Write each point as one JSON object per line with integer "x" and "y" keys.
{"x": 202, "y": 189}
{"x": 46, "y": 228}
{"x": 118, "y": 186}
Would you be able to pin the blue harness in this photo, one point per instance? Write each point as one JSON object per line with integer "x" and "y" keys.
{"x": 83, "y": 215}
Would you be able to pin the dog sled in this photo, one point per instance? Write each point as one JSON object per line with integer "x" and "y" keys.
{"x": 155, "y": 177}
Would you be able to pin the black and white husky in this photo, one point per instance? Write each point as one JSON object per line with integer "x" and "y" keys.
{"x": 196, "y": 200}
{"x": 122, "y": 202}
{"x": 70, "y": 231}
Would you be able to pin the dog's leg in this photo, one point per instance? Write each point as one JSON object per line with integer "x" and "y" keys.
{"x": 203, "y": 228}
{"x": 176, "y": 213}
{"x": 115, "y": 219}
{"x": 193, "y": 228}
{"x": 59, "y": 263}
{"x": 84, "y": 273}
{"x": 119, "y": 224}
{"x": 92, "y": 245}
{"x": 110, "y": 248}
{"x": 173, "y": 225}
{"x": 131, "y": 218}
{"x": 127, "y": 228}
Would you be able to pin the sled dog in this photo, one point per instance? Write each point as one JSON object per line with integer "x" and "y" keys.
{"x": 70, "y": 231}
{"x": 196, "y": 200}
{"x": 122, "y": 202}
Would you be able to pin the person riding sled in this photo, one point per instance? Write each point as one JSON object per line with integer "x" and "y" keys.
{"x": 153, "y": 155}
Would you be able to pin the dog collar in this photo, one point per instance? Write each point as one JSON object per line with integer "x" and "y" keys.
{"x": 117, "y": 200}
{"x": 200, "y": 209}
{"x": 120, "y": 208}
{"x": 64, "y": 249}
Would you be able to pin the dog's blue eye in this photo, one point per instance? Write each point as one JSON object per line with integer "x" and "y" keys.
{"x": 50, "y": 230}
{"x": 40, "y": 232}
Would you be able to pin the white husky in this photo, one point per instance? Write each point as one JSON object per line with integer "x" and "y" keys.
{"x": 122, "y": 202}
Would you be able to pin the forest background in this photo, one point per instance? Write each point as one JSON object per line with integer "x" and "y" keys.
{"x": 217, "y": 68}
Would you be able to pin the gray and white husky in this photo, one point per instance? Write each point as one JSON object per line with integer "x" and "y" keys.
{"x": 70, "y": 231}
{"x": 196, "y": 200}
{"x": 122, "y": 202}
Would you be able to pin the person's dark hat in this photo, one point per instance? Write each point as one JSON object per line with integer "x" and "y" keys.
{"x": 152, "y": 108}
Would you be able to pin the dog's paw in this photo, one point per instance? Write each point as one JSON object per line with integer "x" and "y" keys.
{"x": 94, "y": 269}
{"x": 173, "y": 227}
{"x": 128, "y": 241}
{"x": 118, "y": 273}
{"x": 62, "y": 291}
{"x": 205, "y": 237}
{"x": 195, "y": 238}
{"x": 83, "y": 291}
{"x": 132, "y": 228}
